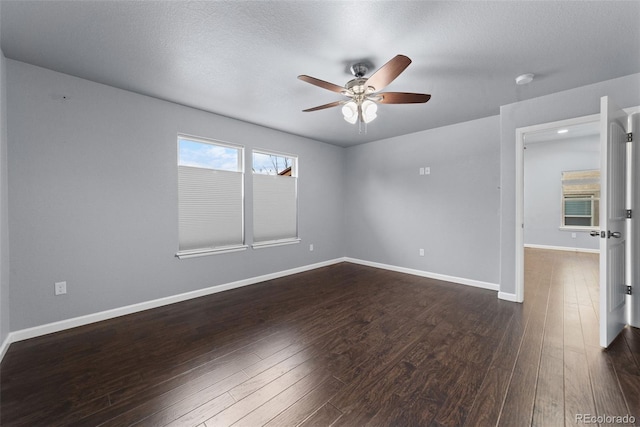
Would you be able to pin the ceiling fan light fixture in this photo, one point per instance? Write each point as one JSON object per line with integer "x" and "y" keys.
{"x": 369, "y": 110}
{"x": 350, "y": 112}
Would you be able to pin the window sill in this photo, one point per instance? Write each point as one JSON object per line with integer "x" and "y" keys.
{"x": 210, "y": 251}
{"x": 271, "y": 243}
{"x": 577, "y": 228}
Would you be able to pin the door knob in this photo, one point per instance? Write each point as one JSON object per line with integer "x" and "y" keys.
{"x": 594, "y": 233}
{"x": 615, "y": 234}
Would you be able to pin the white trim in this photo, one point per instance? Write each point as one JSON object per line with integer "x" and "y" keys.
{"x": 577, "y": 228}
{"x": 562, "y": 248}
{"x": 632, "y": 110}
{"x": 270, "y": 243}
{"x": 421, "y": 273}
{"x": 5, "y": 346}
{"x": 62, "y": 325}
{"x": 507, "y": 296}
{"x": 212, "y": 251}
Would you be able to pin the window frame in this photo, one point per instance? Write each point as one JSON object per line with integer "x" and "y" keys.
{"x": 592, "y": 196}
{"x": 213, "y": 250}
{"x": 294, "y": 175}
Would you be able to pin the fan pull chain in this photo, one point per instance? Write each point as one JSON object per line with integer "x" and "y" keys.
{"x": 360, "y": 127}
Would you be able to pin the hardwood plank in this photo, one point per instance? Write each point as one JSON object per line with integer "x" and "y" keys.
{"x": 460, "y": 396}
{"x": 306, "y": 406}
{"x": 573, "y": 339}
{"x": 489, "y": 399}
{"x": 632, "y": 338}
{"x": 216, "y": 396}
{"x": 607, "y": 393}
{"x": 549, "y": 398}
{"x": 627, "y": 373}
{"x": 278, "y": 404}
{"x": 325, "y": 416}
{"x": 518, "y": 405}
{"x": 245, "y": 406}
{"x": 258, "y": 381}
{"x": 578, "y": 396}
{"x": 590, "y": 325}
{"x": 212, "y": 407}
{"x": 169, "y": 392}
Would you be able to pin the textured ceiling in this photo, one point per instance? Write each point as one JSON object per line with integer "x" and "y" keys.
{"x": 240, "y": 59}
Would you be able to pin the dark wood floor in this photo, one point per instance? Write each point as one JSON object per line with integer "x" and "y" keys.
{"x": 345, "y": 345}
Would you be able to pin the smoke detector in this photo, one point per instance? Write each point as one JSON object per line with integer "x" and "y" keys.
{"x": 524, "y": 79}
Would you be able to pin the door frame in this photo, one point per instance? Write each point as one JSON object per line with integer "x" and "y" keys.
{"x": 520, "y": 136}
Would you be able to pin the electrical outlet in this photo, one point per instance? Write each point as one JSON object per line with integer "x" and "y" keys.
{"x": 427, "y": 171}
{"x": 60, "y": 288}
{"x": 421, "y": 252}
{"x": 311, "y": 247}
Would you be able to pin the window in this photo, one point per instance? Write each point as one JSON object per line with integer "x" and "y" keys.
{"x": 210, "y": 197}
{"x": 581, "y": 199}
{"x": 275, "y": 199}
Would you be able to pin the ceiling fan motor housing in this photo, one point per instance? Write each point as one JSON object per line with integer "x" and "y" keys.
{"x": 358, "y": 86}
{"x": 359, "y": 69}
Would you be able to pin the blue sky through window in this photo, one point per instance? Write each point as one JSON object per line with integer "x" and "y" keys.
{"x": 209, "y": 156}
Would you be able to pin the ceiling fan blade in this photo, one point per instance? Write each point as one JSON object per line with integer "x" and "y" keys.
{"x": 403, "y": 98}
{"x": 322, "y": 84}
{"x": 388, "y": 72}
{"x": 322, "y": 107}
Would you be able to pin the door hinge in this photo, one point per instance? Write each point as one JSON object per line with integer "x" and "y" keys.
{"x": 629, "y": 213}
{"x": 628, "y": 290}
{"x": 630, "y": 137}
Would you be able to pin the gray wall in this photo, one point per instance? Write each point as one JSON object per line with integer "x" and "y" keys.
{"x": 392, "y": 211}
{"x": 544, "y": 163}
{"x": 93, "y": 198}
{"x": 568, "y": 104}
{"x": 4, "y": 239}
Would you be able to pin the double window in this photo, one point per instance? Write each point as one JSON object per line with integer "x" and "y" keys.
{"x": 211, "y": 197}
{"x": 581, "y": 199}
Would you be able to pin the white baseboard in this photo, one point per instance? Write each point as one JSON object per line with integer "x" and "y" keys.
{"x": 562, "y": 248}
{"x": 5, "y": 346}
{"x": 507, "y": 296}
{"x": 421, "y": 273}
{"x": 62, "y": 325}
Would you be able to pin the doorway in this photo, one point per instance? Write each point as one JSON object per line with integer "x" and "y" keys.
{"x": 617, "y": 128}
{"x": 543, "y": 134}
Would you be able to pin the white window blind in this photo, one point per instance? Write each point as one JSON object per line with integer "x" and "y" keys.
{"x": 275, "y": 201}
{"x": 210, "y": 193}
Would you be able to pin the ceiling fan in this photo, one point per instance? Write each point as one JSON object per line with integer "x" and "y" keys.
{"x": 364, "y": 92}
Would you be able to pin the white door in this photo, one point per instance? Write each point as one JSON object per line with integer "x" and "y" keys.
{"x": 613, "y": 144}
{"x": 634, "y": 233}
